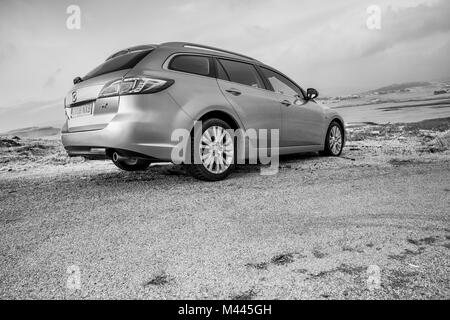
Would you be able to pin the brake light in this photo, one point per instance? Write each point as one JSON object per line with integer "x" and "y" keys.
{"x": 134, "y": 85}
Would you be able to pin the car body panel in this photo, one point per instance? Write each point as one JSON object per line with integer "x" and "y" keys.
{"x": 303, "y": 123}
{"x": 255, "y": 107}
{"x": 89, "y": 90}
{"x": 86, "y": 92}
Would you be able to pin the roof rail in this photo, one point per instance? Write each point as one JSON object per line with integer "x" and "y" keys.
{"x": 203, "y": 47}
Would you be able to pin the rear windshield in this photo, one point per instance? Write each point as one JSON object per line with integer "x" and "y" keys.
{"x": 122, "y": 62}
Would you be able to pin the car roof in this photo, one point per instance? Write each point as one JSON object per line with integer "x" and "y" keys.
{"x": 186, "y": 47}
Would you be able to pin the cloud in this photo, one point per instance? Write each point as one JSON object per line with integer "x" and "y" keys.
{"x": 51, "y": 80}
{"x": 408, "y": 24}
{"x": 6, "y": 52}
{"x": 325, "y": 43}
{"x": 33, "y": 104}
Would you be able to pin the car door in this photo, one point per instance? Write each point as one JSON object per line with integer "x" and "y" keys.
{"x": 243, "y": 87}
{"x": 302, "y": 119}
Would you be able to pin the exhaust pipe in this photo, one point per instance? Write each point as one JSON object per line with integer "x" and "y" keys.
{"x": 117, "y": 157}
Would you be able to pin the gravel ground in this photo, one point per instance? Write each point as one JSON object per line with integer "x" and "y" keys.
{"x": 310, "y": 232}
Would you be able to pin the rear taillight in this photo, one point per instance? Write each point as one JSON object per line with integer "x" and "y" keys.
{"x": 134, "y": 86}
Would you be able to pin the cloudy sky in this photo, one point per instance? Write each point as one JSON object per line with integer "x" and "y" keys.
{"x": 321, "y": 44}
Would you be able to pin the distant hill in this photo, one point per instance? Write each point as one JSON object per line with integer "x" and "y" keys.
{"x": 48, "y": 113}
{"x": 33, "y": 132}
{"x": 400, "y": 86}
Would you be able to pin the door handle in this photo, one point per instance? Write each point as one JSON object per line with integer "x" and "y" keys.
{"x": 287, "y": 103}
{"x": 234, "y": 92}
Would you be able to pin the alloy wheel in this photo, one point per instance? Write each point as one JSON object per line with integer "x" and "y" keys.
{"x": 216, "y": 149}
{"x": 335, "y": 140}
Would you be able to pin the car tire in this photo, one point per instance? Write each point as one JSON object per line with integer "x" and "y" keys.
{"x": 334, "y": 141}
{"x": 132, "y": 165}
{"x": 217, "y": 157}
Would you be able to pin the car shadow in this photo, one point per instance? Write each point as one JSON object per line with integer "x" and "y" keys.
{"x": 178, "y": 173}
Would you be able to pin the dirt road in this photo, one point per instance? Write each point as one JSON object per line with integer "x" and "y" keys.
{"x": 311, "y": 231}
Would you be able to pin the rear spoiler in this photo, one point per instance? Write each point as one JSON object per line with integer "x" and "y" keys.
{"x": 132, "y": 49}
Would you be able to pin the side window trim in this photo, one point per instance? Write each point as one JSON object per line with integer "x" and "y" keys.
{"x": 266, "y": 81}
{"x": 217, "y": 64}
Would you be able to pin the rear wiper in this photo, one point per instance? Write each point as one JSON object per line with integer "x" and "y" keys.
{"x": 77, "y": 80}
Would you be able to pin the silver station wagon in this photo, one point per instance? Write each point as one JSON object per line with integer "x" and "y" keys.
{"x": 128, "y": 107}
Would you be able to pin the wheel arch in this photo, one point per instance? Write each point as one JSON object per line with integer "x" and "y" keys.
{"x": 340, "y": 122}
{"x": 222, "y": 115}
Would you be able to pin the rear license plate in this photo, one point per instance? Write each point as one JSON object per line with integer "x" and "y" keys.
{"x": 81, "y": 111}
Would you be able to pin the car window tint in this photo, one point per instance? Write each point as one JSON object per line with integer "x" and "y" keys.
{"x": 281, "y": 84}
{"x": 243, "y": 73}
{"x": 191, "y": 64}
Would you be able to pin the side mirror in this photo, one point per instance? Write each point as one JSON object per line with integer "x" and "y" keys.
{"x": 77, "y": 80}
{"x": 311, "y": 93}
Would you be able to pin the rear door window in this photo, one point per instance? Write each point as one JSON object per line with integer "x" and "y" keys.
{"x": 122, "y": 62}
{"x": 191, "y": 64}
{"x": 243, "y": 73}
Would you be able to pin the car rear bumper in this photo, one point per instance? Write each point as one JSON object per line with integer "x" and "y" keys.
{"x": 142, "y": 128}
{"x": 100, "y": 144}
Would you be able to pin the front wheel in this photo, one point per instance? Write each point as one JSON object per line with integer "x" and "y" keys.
{"x": 334, "y": 141}
{"x": 215, "y": 152}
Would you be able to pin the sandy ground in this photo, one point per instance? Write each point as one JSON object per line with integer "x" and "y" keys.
{"x": 316, "y": 230}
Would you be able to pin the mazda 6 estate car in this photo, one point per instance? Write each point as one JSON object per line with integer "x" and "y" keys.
{"x": 128, "y": 108}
